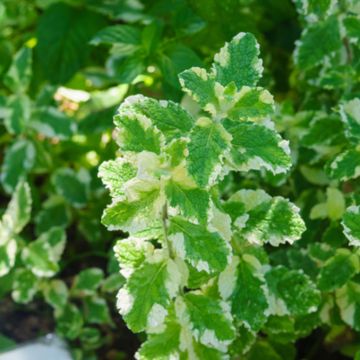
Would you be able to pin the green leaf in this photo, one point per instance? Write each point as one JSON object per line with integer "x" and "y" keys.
{"x": 18, "y": 212}
{"x": 291, "y": 292}
{"x": 63, "y": 33}
{"x": 135, "y": 215}
{"x": 53, "y": 213}
{"x": 242, "y": 285}
{"x": 137, "y": 134}
{"x": 337, "y": 270}
{"x": 125, "y": 38}
{"x": 345, "y": 166}
{"x": 42, "y": 255}
{"x": 207, "y": 145}
{"x": 163, "y": 345}
{"x": 115, "y": 173}
{"x": 170, "y": 118}
{"x": 25, "y": 286}
{"x": 350, "y": 115}
{"x": 192, "y": 242}
{"x": 208, "y": 319}
{"x": 69, "y": 322}
{"x": 56, "y": 294}
{"x": 97, "y": 311}
{"x": 87, "y": 281}
{"x": 201, "y": 87}
{"x": 352, "y": 26}
{"x": 112, "y": 283}
{"x": 251, "y": 103}
{"x": 266, "y": 219}
{"x": 131, "y": 253}
{"x": 53, "y": 123}
{"x": 73, "y": 186}
{"x": 175, "y": 59}
{"x": 19, "y": 159}
{"x": 318, "y": 41}
{"x": 351, "y": 225}
{"x": 256, "y": 147}
{"x": 314, "y": 10}
{"x": 192, "y": 202}
{"x": 7, "y": 255}
{"x": 18, "y": 77}
{"x": 238, "y": 61}
{"x": 348, "y": 301}
{"x": 145, "y": 298}
{"x": 18, "y": 115}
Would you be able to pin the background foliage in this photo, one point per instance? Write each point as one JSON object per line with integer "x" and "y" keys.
{"x": 64, "y": 68}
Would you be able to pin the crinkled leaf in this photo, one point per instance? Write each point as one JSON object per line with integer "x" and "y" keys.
{"x": 114, "y": 173}
{"x": 192, "y": 202}
{"x": 243, "y": 286}
{"x": 200, "y": 86}
{"x": 291, "y": 291}
{"x": 135, "y": 215}
{"x": 170, "y": 118}
{"x": 192, "y": 242}
{"x": 207, "y": 144}
{"x": 256, "y": 147}
{"x": 239, "y": 61}
{"x": 266, "y": 219}
{"x": 209, "y": 319}
{"x": 145, "y": 298}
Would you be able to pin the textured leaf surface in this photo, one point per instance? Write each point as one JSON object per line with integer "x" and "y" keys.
{"x": 291, "y": 291}
{"x": 192, "y": 202}
{"x": 242, "y": 285}
{"x": 170, "y": 118}
{"x": 134, "y": 215}
{"x": 145, "y": 298}
{"x": 207, "y": 145}
{"x": 265, "y": 219}
{"x": 239, "y": 61}
{"x": 209, "y": 319}
{"x": 114, "y": 173}
{"x": 192, "y": 242}
{"x": 256, "y": 147}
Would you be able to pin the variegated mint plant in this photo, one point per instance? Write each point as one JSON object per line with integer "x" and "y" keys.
{"x": 198, "y": 279}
